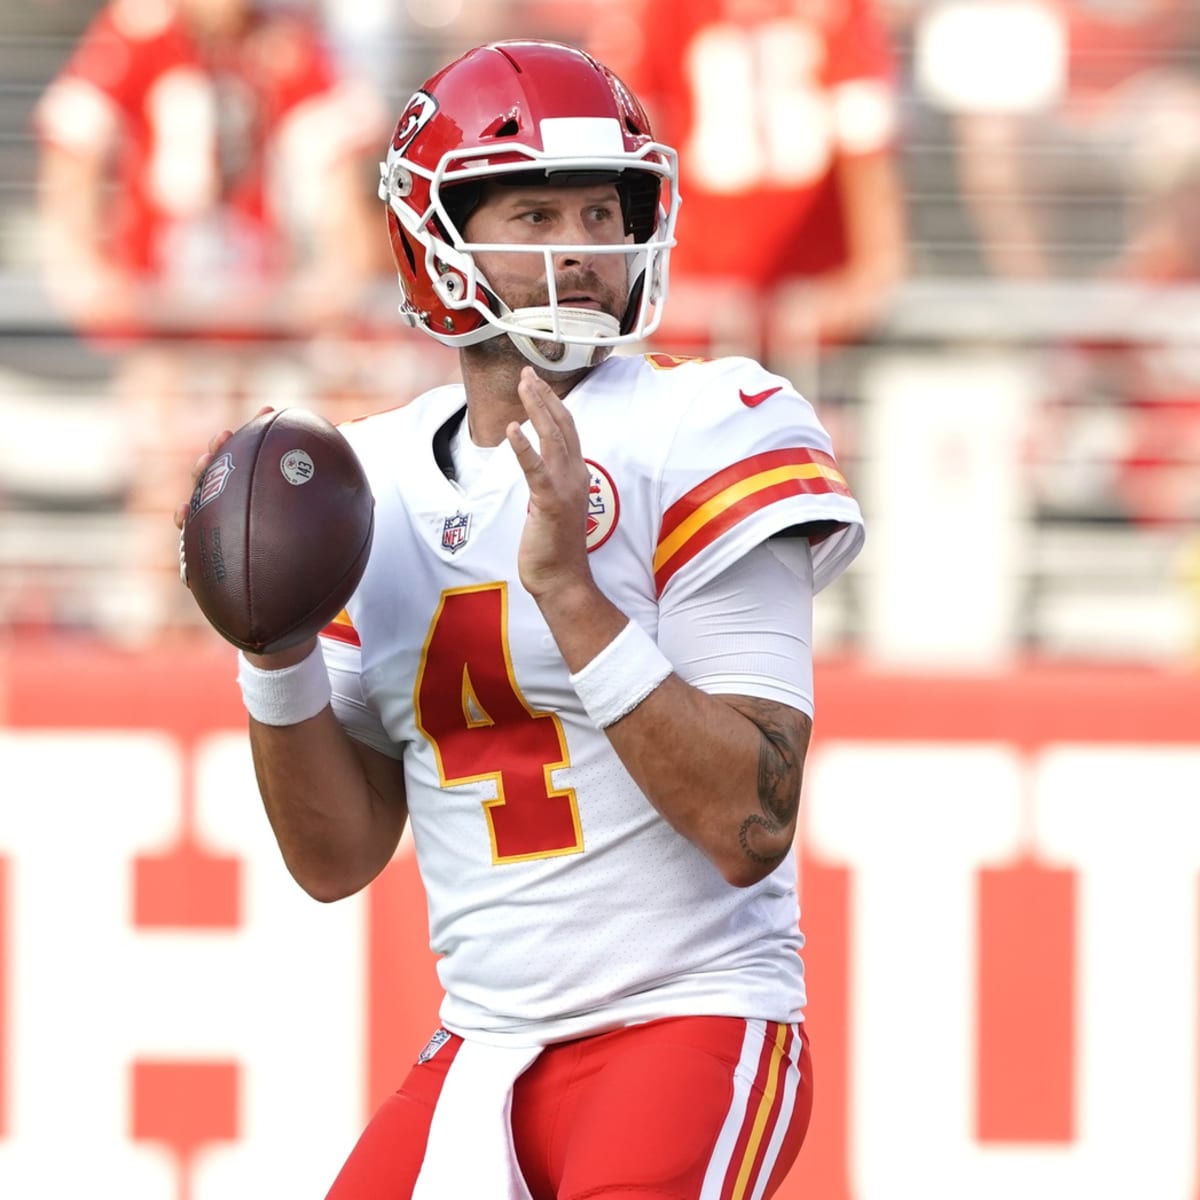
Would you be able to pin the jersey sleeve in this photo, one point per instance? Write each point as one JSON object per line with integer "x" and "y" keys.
{"x": 749, "y": 460}
{"x": 342, "y": 652}
{"x": 749, "y": 631}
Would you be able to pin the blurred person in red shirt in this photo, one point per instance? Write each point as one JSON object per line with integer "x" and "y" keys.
{"x": 202, "y": 150}
{"x": 204, "y": 188}
{"x": 1088, "y": 168}
{"x": 791, "y": 234}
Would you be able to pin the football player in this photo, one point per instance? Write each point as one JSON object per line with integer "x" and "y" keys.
{"x": 579, "y": 663}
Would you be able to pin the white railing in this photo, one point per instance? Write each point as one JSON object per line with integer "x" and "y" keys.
{"x": 960, "y": 548}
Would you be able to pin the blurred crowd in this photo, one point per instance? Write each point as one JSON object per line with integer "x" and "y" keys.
{"x": 206, "y": 211}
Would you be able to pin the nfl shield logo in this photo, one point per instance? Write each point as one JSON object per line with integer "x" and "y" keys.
{"x": 212, "y": 482}
{"x": 455, "y": 532}
{"x": 435, "y": 1043}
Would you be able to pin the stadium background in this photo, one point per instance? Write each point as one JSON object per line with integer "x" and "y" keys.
{"x": 1001, "y": 842}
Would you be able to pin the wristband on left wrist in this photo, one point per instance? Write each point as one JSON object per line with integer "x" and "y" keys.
{"x": 287, "y": 695}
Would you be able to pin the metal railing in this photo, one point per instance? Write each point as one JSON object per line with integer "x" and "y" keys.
{"x": 1081, "y": 576}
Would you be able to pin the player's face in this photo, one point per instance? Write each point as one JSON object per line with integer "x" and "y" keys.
{"x": 538, "y": 215}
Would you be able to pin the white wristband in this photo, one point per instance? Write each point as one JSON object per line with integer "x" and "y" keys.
{"x": 621, "y": 676}
{"x": 287, "y": 696}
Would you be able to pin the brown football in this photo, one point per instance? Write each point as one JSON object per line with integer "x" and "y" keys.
{"x": 278, "y": 531}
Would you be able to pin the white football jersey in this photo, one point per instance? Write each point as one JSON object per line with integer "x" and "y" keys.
{"x": 560, "y": 902}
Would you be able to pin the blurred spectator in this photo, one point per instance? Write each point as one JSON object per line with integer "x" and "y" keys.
{"x": 206, "y": 184}
{"x": 1085, "y": 164}
{"x": 1161, "y": 463}
{"x": 1068, "y": 114}
{"x": 791, "y": 231}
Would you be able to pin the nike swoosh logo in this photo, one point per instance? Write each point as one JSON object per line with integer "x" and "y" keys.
{"x": 754, "y": 399}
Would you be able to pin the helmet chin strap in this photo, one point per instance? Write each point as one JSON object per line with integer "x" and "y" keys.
{"x": 574, "y": 322}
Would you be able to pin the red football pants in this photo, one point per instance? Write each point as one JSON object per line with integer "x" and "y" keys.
{"x": 690, "y": 1108}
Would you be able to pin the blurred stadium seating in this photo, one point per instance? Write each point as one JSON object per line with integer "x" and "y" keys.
{"x": 1028, "y": 450}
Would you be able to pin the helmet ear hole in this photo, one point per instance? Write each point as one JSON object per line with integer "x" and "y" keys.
{"x": 409, "y": 253}
{"x": 451, "y": 285}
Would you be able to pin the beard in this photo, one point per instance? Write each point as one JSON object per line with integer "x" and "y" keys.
{"x": 590, "y": 282}
{"x": 610, "y": 300}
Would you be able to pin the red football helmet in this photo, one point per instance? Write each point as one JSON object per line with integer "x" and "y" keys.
{"x": 524, "y": 107}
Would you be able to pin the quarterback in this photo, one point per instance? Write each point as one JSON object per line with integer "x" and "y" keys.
{"x": 578, "y": 664}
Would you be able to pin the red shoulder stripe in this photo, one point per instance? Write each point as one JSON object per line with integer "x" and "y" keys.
{"x": 711, "y": 508}
{"x": 341, "y": 629}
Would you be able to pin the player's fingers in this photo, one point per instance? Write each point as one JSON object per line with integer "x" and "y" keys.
{"x": 564, "y": 422}
{"x": 214, "y": 448}
{"x": 201, "y": 465}
{"x": 531, "y": 390}
{"x": 205, "y": 461}
{"x": 545, "y": 411}
{"x": 527, "y": 454}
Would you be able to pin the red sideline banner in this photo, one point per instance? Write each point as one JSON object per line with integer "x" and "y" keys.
{"x": 1000, "y": 888}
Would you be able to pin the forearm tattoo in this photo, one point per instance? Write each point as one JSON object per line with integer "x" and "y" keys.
{"x": 766, "y": 837}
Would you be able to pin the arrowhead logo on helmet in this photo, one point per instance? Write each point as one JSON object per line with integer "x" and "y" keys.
{"x": 415, "y": 117}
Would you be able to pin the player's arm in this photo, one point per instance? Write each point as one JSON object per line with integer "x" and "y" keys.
{"x": 336, "y": 806}
{"x": 725, "y": 771}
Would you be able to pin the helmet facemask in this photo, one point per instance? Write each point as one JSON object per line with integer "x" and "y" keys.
{"x": 448, "y": 258}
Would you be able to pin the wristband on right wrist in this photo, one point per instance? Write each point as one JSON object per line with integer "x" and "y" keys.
{"x": 621, "y": 676}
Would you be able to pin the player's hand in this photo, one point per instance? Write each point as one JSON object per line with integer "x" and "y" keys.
{"x": 284, "y": 658}
{"x": 553, "y": 552}
{"x": 203, "y": 463}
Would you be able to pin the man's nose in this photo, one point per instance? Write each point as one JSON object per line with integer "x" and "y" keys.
{"x": 568, "y": 259}
{"x": 575, "y": 233}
